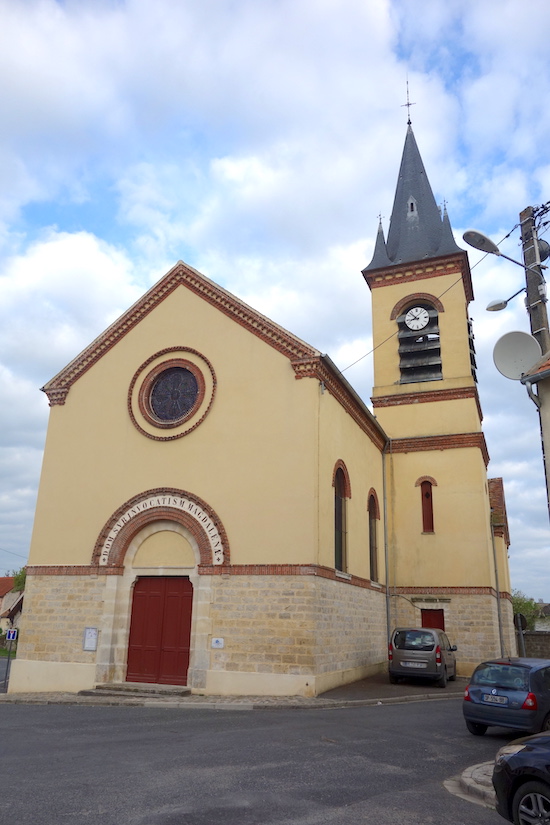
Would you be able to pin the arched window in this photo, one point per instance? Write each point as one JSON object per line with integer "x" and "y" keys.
{"x": 373, "y": 537}
{"x": 419, "y": 344}
{"x": 340, "y": 549}
{"x": 427, "y": 507}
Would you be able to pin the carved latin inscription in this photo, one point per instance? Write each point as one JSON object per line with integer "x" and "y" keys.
{"x": 187, "y": 505}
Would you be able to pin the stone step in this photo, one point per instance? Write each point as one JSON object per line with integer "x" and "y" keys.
{"x": 137, "y": 689}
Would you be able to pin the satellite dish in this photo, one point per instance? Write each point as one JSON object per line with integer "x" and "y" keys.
{"x": 515, "y": 353}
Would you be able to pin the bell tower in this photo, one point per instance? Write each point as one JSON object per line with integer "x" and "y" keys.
{"x": 443, "y": 563}
{"x": 421, "y": 287}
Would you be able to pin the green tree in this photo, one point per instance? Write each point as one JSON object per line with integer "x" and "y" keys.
{"x": 528, "y": 607}
{"x": 20, "y": 577}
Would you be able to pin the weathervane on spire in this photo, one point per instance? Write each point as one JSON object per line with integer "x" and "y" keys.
{"x": 408, "y": 104}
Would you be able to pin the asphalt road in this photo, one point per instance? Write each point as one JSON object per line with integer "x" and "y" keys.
{"x": 3, "y": 669}
{"x": 155, "y": 766}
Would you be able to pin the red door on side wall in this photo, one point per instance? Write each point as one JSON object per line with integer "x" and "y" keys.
{"x": 160, "y": 630}
{"x": 434, "y": 619}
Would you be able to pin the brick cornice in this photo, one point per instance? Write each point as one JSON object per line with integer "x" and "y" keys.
{"x": 215, "y": 570}
{"x": 289, "y": 570}
{"x": 455, "y": 441}
{"x": 428, "y": 396}
{"x": 448, "y": 591}
{"x": 318, "y": 367}
{"x": 420, "y": 270}
{"x": 180, "y": 275}
{"x": 72, "y": 570}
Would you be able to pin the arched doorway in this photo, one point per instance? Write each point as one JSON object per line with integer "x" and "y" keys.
{"x": 160, "y": 630}
{"x": 157, "y": 545}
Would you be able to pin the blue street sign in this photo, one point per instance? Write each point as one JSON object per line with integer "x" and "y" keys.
{"x": 11, "y": 635}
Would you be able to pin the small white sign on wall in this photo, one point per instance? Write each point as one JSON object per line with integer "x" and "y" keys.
{"x": 217, "y": 643}
{"x": 90, "y": 638}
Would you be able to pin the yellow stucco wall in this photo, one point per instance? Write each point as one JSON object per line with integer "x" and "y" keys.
{"x": 459, "y": 551}
{"x": 341, "y": 439}
{"x": 252, "y": 459}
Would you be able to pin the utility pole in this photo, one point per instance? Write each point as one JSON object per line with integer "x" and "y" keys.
{"x": 538, "y": 318}
{"x": 536, "y": 294}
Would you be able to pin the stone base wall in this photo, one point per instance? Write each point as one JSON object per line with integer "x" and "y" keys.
{"x": 57, "y": 610}
{"x": 307, "y": 633}
{"x": 298, "y": 625}
{"x": 304, "y": 633}
{"x": 471, "y": 622}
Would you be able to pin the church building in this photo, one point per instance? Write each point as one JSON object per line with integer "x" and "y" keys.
{"x": 218, "y": 508}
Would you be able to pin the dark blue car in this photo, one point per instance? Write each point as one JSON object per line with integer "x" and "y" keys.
{"x": 510, "y": 693}
{"x": 521, "y": 779}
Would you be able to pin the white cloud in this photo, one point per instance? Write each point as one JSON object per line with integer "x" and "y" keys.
{"x": 259, "y": 142}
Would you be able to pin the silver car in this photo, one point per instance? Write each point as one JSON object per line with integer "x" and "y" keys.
{"x": 421, "y": 652}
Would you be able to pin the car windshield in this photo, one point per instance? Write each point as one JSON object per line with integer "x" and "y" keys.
{"x": 501, "y": 675}
{"x": 413, "y": 640}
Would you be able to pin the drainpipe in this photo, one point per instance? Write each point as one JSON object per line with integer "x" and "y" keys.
{"x": 499, "y": 615}
{"x": 386, "y": 548}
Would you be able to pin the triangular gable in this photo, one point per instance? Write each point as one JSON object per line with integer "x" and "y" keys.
{"x": 306, "y": 361}
{"x": 180, "y": 275}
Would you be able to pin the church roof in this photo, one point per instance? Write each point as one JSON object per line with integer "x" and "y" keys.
{"x": 417, "y": 228}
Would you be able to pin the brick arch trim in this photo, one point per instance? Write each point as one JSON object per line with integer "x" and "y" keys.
{"x": 372, "y": 494}
{"x": 172, "y": 504}
{"x": 420, "y": 481}
{"x": 417, "y": 297}
{"x": 347, "y": 484}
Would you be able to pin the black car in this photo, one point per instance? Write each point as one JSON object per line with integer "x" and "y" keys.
{"x": 511, "y": 693}
{"x": 521, "y": 778}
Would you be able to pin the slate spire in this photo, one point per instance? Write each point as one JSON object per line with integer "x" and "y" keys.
{"x": 417, "y": 229}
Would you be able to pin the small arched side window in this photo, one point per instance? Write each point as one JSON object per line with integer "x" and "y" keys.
{"x": 340, "y": 535}
{"x": 427, "y": 507}
{"x": 373, "y": 538}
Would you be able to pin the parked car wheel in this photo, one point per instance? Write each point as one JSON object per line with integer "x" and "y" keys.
{"x": 546, "y": 723}
{"x": 476, "y": 728}
{"x": 453, "y": 677}
{"x": 442, "y": 681}
{"x": 531, "y": 803}
{"x": 393, "y": 679}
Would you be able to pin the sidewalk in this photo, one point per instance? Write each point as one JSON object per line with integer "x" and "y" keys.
{"x": 474, "y": 783}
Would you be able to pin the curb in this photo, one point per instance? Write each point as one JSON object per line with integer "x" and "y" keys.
{"x": 211, "y": 702}
{"x": 474, "y": 784}
{"x": 477, "y": 781}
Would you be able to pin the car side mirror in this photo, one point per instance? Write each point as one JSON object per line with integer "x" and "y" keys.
{"x": 454, "y": 647}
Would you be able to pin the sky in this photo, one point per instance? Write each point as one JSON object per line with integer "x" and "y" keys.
{"x": 259, "y": 141}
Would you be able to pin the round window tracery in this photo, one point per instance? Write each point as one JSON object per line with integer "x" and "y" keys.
{"x": 173, "y": 394}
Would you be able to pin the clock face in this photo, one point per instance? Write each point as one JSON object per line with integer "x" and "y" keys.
{"x": 417, "y": 318}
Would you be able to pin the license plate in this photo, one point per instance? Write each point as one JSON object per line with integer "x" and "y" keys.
{"x": 413, "y": 664}
{"x": 495, "y": 700}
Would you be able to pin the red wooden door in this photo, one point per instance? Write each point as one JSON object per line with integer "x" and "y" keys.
{"x": 433, "y": 618}
{"x": 160, "y": 630}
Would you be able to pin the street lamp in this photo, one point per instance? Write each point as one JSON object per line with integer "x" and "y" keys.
{"x": 534, "y": 251}
{"x": 494, "y": 306}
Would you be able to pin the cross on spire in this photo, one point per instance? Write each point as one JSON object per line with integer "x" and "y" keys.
{"x": 408, "y": 104}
